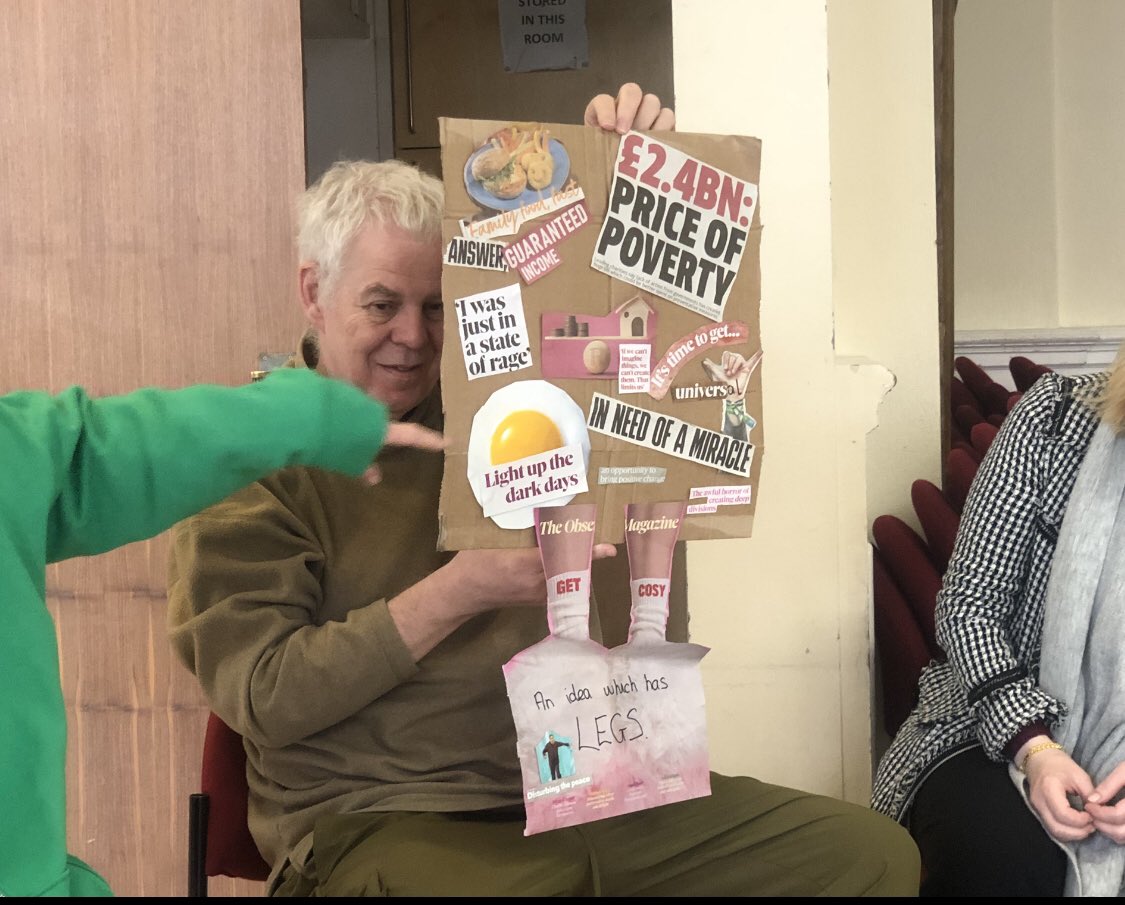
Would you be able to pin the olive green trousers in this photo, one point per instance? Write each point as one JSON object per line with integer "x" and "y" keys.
{"x": 747, "y": 838}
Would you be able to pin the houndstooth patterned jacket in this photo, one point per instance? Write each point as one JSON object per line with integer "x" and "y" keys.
{"x": 990, "y": 607}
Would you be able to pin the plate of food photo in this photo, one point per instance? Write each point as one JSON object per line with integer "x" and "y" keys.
{"x": 518, "y": 165}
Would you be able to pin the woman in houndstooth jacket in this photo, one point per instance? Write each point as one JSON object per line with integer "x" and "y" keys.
{"x": 945, "y": 775}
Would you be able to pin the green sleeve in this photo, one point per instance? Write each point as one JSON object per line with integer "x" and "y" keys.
{"x": 127, "y": 467}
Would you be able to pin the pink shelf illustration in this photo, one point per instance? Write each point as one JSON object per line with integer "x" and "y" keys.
{"x": 585, "y": 346}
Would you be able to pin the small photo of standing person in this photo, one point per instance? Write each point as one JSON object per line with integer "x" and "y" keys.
{"x": 555, "y": 758}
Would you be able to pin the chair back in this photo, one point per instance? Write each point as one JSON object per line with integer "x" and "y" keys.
{"x": 991, "y": 395}
{"x": 961, "y": 468}
{"x": 1025, "y": 372}
{"x": 903, "y": 652}
{"x": 908, "y": 560}
{"x": 231, "y": 850}
{"x": 982, "y": 436}
{"x": 938, "y": 518}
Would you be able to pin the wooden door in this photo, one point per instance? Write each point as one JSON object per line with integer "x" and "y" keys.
{"x": 943, "y": 15}
{"x": 447, "y": 61}
{"x": 151, "y": 155}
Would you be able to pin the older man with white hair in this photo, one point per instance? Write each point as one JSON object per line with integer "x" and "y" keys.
{"x": 363, "y": 667}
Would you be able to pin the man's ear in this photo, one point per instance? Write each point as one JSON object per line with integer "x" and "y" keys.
{"x": 308, "y": 280}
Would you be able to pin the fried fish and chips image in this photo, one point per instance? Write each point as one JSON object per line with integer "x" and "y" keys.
{"x": 521, "y": 157}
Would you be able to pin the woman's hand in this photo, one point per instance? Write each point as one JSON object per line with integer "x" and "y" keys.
{"x": 1109, "y": 819}
{"x": 1052, "y": 776}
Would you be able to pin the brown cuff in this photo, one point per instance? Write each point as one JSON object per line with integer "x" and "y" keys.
{"x": 1021, "y": 738}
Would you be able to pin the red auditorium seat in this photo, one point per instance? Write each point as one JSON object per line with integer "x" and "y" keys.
{"x": 961, "y": 468}
{"x": 903, "y": 653}
{"x": 908, "y": 561}
{"x": 967, "y": 417}
{"x": 938, "y": 518}
{"x": 960, "y": 395}
{"x": 990, "y": 394}
{"x": 1025, "y": 372}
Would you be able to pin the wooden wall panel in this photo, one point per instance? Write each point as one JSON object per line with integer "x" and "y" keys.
{"x": 151, "y": 155}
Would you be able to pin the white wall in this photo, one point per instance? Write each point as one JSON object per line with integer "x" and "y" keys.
{"x": 1005, "y": 270}
{"x": 787, "y": 613}
{"x": 1040, "y": 166}
{"x": 884, "y": 213}
{"x": 1090, "y": 157}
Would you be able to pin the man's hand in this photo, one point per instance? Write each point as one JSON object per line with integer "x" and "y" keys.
{"x": 1051, "y": 776}
{"x": 404, "y": 433}
{"x": 401, "y": 433}
{"x": 473, "y": 582}
{"x": 631, "y": 109}
{"x": 500, "y": 578}
{"x": 491, "y": 579}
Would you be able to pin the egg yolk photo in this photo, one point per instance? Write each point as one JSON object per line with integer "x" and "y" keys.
{"x": 522, "y": 434}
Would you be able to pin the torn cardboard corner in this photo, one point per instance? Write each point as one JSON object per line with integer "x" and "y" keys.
{"x": 627, "y": 258}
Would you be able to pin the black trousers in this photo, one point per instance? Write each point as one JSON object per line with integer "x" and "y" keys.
{"x": 978, "y": 837}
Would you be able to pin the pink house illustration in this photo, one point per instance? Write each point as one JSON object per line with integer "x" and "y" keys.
{"x": 585, "y": 346}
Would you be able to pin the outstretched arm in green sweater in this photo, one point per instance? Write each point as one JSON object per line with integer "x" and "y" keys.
{"x": 79, "y": 476}
{"x": 127, "y": 467}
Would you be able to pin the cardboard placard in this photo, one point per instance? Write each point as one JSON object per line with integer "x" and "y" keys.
{"x": 625, "y": 253}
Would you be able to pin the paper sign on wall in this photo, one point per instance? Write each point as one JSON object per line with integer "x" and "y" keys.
{"x": 536, "y": 35}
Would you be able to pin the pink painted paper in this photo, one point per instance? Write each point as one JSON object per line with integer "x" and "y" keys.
{"x": 627, "y": 726}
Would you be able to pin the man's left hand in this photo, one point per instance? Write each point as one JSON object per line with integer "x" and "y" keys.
{"x": 631, "y": 109}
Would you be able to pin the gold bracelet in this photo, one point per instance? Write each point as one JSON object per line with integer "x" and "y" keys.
{"x": 1035, "y": 749}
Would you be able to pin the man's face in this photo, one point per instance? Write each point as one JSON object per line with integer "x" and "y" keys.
{"x": 381, "y": 326}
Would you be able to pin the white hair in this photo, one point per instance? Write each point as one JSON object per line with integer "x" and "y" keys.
{"x": 331, "y": 212}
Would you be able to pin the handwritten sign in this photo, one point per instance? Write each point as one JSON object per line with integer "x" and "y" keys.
{"x": 606, "y": 732}
{"x": 493, "y": 332}
{"x": 670, "y": 435}
{"x": 676, "y": 226}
